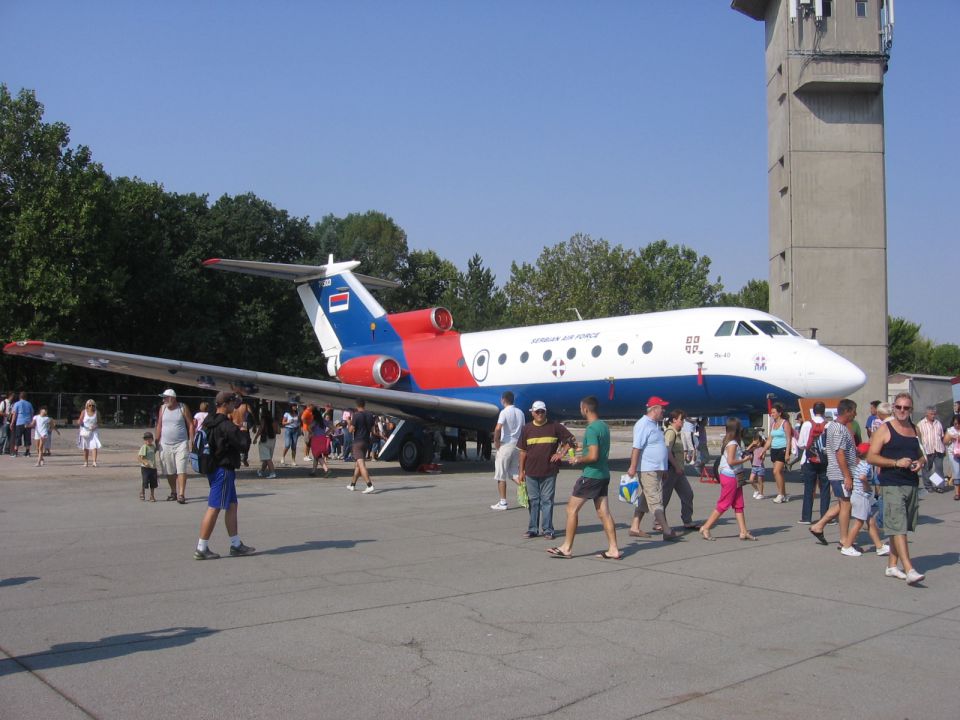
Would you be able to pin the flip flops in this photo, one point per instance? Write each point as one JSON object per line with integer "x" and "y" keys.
{"x": 604, "y": 556}
{"x": 556, "y": 552}
{"x": 819, "y": 536}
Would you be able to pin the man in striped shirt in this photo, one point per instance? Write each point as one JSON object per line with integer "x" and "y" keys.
{"x": 931, "y": 434}
{"x": 542, "y": 445}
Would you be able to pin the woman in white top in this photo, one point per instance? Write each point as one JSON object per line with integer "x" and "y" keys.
{"x": 951, "y": 438}
{"x": 89, "y": 433}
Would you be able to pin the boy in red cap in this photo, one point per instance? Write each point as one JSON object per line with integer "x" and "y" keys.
{"x": 863, "y": 505}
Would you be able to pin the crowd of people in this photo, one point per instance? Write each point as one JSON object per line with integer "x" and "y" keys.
{"x": 876, "y": 481}
{"x": 876, "y": 478}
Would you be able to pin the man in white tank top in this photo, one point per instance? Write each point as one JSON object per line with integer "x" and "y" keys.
{"x": 174, "y": 438}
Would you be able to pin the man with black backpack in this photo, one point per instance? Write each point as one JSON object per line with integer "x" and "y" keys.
{"x": 813, "y": 466}
{"x": 226, "y": 441}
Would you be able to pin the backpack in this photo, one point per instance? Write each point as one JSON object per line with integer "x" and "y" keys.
{"x": 201, "y": 456}
{"x": 816, "y": 444}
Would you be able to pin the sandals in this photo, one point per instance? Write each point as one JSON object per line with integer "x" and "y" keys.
{"x": 606, "y": 556}
{"x": 171, "y": 496}
{"x": 142, "y": 498}
{"x": 556, "y": 552}
{"x": 819, "y": 536}
{"x": 182, "y": 500}
{"x": 748, "y": 536}
{"x": 705, "y": 534}
{"x": 639, "y": 534}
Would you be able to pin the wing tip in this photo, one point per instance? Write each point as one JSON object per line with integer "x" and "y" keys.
{"x": 13, "y": 348}
{"x": 211, "y": 261}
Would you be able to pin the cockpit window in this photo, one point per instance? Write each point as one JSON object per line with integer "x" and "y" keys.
{"x": 726, "y": 328}
{"x": 744, "y": 329}
{"x": 788, "y": 328}
{"x": 769, "y": 327}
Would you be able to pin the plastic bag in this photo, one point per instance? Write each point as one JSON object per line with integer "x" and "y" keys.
{"x": 523, "y": 499}
{"x": 629, "y": 490}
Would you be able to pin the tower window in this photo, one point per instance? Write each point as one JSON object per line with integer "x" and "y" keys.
{"x": 861, "y": 8}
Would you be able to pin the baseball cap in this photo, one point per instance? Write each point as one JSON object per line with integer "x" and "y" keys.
{"x": 169, "y": 392}
{"x": 862, "y": 448}
{"x": 538, "y": 405}
{"x": 225, "y": 396}
{"x": 654, "y": 401}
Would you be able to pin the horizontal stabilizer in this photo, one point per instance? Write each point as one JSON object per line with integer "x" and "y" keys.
{"x": 297, "y": 273}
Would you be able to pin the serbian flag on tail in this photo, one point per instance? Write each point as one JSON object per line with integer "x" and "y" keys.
{"x": 339, "y": 302}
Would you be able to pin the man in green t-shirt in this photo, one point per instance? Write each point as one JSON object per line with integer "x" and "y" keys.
{"x": 593, "y": 484}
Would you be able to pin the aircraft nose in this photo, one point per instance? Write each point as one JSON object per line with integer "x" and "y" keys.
{"x": 831, "y": 375}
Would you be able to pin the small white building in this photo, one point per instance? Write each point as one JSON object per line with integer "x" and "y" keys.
{"x": 936, "y": 390}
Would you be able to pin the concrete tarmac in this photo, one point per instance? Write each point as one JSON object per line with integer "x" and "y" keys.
{"x": 418, "y": 601}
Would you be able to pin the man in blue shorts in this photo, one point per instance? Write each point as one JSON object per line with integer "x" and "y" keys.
{"x": 226, "y": 442}
{"x": 592, "y": 485}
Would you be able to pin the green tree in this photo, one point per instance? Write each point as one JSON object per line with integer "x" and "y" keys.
{"x": 944, "y": 360}
{"x": 902, "y": 339}
{"x": 475, "y": 300}
{"x": 371, "y": 237}
{"x": 755, "y": 295}
{"x": 601, "y": 280}
{"x": 424, "y": 282}
{"x": 58, "y": 273}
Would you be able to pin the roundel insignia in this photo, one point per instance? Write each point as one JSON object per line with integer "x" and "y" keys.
{"x": 559, "y": 368}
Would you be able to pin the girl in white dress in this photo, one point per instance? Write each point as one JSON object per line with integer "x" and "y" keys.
{"x": 42, "y": 425}
{"x": 89, "y": 438}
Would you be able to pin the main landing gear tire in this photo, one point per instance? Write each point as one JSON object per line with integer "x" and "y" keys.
{"x": 411, "y": 454}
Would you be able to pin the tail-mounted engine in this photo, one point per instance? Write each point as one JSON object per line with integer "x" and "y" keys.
{"x": 380, "y": 371}
{"x": 421, "y": 322}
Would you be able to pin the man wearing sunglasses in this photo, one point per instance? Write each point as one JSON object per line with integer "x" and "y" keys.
{"x": 895, "y": 449}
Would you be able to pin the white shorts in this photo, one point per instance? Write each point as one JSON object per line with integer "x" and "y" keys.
{"x": 265, "y": 449}
{"x": 862, "y": 506}
{"x": 173, "y": 459}
{"x": 507, "y": 464}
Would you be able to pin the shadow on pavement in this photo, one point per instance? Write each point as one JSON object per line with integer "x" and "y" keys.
{"x": 10, "y": 582}
{"x": 926, "y": 563}
{"x": 313, "y": 545}
{"x": 111, "y": 646}
{"x": 404, "y": 487}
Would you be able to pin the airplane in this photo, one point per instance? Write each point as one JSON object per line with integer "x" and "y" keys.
{"x": 415, "y": 366}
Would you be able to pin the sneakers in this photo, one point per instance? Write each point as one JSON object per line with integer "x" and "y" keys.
{"x": 850, "y": 552}
{"x": 883, "y": 550}
{"x": 241, "y": 550}
{"x": 501, "y": 505}
{"x": 207, "y": 554}
{"x": 368, "y": 490}
{"x": 351, "y": 487}
{"x": 913, "y": 577}
{"x": 803, "y": 522}
{"x": 759, "y": 496}
{"x": 259, "y": 474}
{"x": 779, "y": 499}
{"x": 896, "y": 572}
{"x": 271, "y": 476}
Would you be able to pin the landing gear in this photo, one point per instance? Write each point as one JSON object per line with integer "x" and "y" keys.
{"x": 411, "y": 454}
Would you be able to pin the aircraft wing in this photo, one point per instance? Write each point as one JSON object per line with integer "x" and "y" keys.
{"x": 285, "y": 388}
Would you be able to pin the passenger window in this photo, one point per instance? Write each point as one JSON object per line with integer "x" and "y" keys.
{"x": 744, "y": 329}
{"x": 502, "y": 359}
{"x": 726, "y": 328}
{"x": 524, "y": 356}
{"x": 571, "y": 353}
{"x": 596, "y": 351}
{"x": 622, "y": 350}
{"x": 547, "y": 354}
{"x": 647, "y": 347}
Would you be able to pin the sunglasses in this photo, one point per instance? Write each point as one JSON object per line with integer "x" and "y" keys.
{"x": 903, "y": 407}
{"x": 539, "y": 412}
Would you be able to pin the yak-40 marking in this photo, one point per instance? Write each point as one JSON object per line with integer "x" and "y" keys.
{"x": 414, "y": 365}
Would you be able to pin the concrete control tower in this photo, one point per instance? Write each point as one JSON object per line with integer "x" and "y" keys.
{"x": 825, "y": 62}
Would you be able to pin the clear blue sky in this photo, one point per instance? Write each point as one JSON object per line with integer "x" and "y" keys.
{"x": 496, "y": 127}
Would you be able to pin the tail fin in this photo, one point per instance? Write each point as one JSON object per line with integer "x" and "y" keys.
{"x": 341, "y": 309}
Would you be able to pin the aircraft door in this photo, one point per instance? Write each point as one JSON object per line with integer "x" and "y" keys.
{"x": 481, "y": 365}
